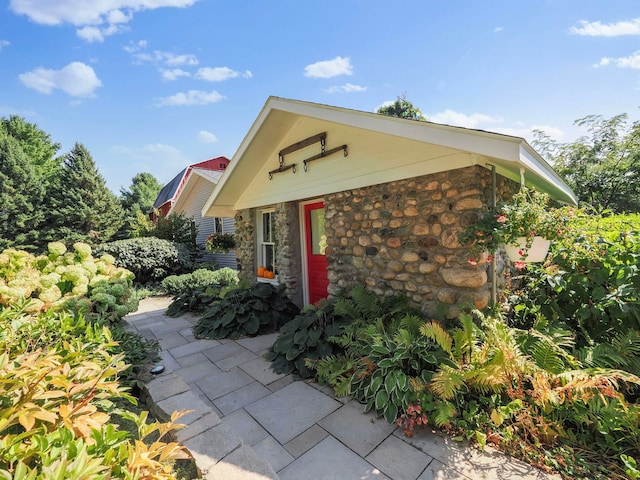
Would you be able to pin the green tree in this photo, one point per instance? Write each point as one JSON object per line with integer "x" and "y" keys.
{"x": 603, "y": 167}
{"x": 141, "y": 194}
{"x": 36, "y": 144}
{"x": 402, "y": 108}
{"x": 137, "y": 202}
{"x": 21, "y": 196}
{"x": 82, "y": 207}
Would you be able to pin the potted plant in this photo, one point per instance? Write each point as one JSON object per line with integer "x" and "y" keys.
{"x": 525, "y": 225}
{"x": 221, "y": 242}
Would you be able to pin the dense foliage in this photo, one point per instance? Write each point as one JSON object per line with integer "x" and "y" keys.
{"x": 150, "y": 259}
{"x": 64, "y": 363}
{"x": 21, "y": 195}
{"x": 259, "y": 309}
{"x": 199, "y": 279}
{"x": 60, "y": 380}
{"x": 81, "y": 206}
{"x": 175, "y": 227}
{"x": 137, "y": 200}
{"x": 402, "y": 108}
{"x": 603, "y": 167}
{"x": 66, "y": 280}
{"x": 591, "y": 285}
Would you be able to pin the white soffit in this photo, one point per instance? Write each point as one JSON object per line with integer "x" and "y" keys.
{"x": 381, "y": 149}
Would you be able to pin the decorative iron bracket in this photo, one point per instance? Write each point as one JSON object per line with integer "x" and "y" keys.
{"x": 325, "y": 154}
{"x": 282, "y": 168}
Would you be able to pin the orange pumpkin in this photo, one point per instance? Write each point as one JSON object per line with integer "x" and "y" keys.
{"x": 269, "y": 274}
{"x": 261, "y": 271}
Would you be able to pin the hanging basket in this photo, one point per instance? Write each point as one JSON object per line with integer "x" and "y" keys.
{"x": 537, "y": 252}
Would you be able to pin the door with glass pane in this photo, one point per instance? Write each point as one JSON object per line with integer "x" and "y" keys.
{"x": 316, "y": 245}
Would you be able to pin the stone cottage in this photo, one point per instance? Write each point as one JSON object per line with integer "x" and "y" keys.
{"x": 328, "y": 197}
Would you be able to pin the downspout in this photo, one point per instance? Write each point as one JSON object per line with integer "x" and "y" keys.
{"x": 494, "y": 261}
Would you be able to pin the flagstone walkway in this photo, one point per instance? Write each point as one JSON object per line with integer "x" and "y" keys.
{"x": 249, "y": 423}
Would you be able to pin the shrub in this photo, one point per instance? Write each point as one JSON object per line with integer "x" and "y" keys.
{"x": 591, "y": 285}
{"x": 67, "y": 279}
{"x": 59, "y": 381}
{"x": 258, "y": 309}
{"x": 199, "y": 279}
{"x": 150, "y": 259}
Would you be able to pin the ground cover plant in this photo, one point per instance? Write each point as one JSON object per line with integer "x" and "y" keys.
{"x": 253, "y": 310}
{"x": 199, "y": 279}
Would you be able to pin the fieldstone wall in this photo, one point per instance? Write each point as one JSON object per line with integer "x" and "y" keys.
{"x": 403, "y": 237}
{"x": 245, "y": 244}
{"x": 288, "y": 250}
{"x": 395, "y": 237}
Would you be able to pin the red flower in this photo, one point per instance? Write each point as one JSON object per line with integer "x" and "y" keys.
{"x": 472, "y": 261}
{"x": 520, "y": 265}
{"x": 501, "y": 218}
{"x": 489, "y": 258}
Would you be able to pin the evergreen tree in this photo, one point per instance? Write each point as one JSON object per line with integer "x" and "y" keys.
{"x": 82, "y": 207}
{"x": 21, "y": 196}
{"x": 36, "y": 144}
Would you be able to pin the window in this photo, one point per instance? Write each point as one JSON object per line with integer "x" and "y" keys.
{"x": 217, "y": 225}
{"x": 267, "y": 239}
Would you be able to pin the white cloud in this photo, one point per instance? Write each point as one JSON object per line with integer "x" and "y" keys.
{"x": 192, "y": 97}
{"x": 135, "y": 47}
{"x": 451, "y": 117}
{"x": 346, "y": 88}
{"x": 97, "y": 19}
{"x": 219, "y": 74}
{"x": 498, "y": 29}
{"x": 599, "y": 29}
{"x": 207, "y": 137}
{"x": 632, "y": 61}
{"x": 76, "y": 80}
{"x": 83, "y": 13}
{"x": 173, "y": 74}
{"x": 4, "y": 43}
{"x": 169, "y": 59}
{"x": 329, "y": 68}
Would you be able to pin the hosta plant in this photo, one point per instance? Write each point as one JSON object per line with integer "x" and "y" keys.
{"x": 251, "y": 311}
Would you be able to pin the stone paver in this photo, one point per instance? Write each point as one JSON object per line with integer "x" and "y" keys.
{"x": 261, "y": 370}
{"x": 272, "y": 451}
{"x": 221, "y": 383}
{"x": 358, "y": 431}
{"x": 287, "y": 413}
{"x": 398, "y": 460}
{"x": 330, "y": 460}
{"x": 241, "y": 397}
{"x": 249, "y": 423}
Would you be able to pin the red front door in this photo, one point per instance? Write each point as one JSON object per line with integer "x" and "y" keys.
{"x": 316, "y": 239}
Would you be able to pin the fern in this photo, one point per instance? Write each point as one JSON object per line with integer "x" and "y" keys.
{"x": 436, "y": 333}
{"x": 445, "y": 412}
{"x": 447, "y": 382}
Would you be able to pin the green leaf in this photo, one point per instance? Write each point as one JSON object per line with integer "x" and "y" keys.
{"x": 390, "y": 383}
{"x": 391, "y": 413}
{"x": 252, "y": 325}
{"x": 382, "y": 397}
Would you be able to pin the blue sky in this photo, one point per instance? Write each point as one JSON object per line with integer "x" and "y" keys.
{"x": 154, "y": 85}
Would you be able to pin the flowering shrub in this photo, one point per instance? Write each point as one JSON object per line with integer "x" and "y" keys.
{"x": 221, "y": 242}
{"x": 527, "y": 214}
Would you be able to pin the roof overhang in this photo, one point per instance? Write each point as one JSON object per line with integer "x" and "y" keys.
{"x": 380, "y": 149}
{"x": 195, "y": 175}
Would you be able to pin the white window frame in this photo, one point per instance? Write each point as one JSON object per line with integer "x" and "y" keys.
{"x": 260, "y": 243}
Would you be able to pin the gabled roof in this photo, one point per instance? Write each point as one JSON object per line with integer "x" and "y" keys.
{"x": 167, "y": 192}
{"x": 380, "y": 149}
{"x": 170, "y": 192}
{"x": 196, "y": 175}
